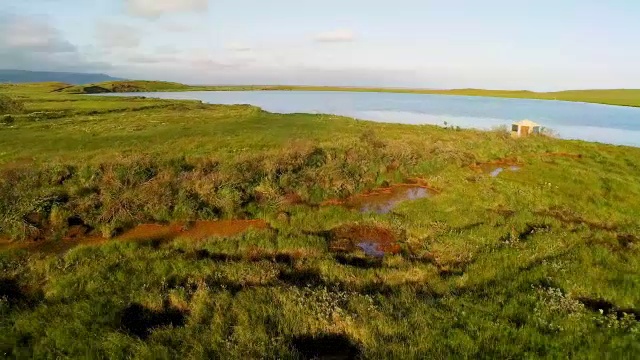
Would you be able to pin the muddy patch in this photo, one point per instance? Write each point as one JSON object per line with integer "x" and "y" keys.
{"x": 373, "y": 241}
{"x": 326, "y": 346}
{"x": 154, "y": 234}
{"x": 384, "y": 200}
{"x": 140, "y": 321}
{"x": 197, "y": 230}
{"x": 495, "y": 168}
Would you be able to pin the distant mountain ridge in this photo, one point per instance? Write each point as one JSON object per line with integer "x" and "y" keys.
{"x": 25, "y": 76}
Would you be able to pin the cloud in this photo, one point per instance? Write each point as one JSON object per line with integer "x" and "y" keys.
{"x": 176, "y": 27}
{"x": 339, "y": 35}
{"x": 237, "y": 47}
{"x": 29, "y": 34}
{"x": 151, "y": 59}
{"x": 156, "y": 8}
{"x": 32, "y": 43}
{"x": 113, "y": 35}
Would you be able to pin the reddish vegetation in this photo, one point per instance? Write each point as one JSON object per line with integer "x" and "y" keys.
{"x": 154, "y": 232}
{"x": 347, "y": 237}
{"x": 49, "y": 246}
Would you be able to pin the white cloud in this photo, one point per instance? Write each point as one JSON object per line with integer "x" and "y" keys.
{"x": 237, "y": 47}
{"x": 32, "y": 43}
{"x": 176, "y": 27}
{"x": 339, "y": 35}
{"x": 32, "y": 34}
{"x": 156, "y": 8}
{"x": 114, "y": 35}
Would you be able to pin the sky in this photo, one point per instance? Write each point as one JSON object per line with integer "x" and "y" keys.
{"x": 496, "y": 44}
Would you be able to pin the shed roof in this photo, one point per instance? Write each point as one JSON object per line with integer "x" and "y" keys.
{"x": 526, "y": 123}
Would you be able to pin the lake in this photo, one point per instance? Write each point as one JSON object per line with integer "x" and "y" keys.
{"x": 571, "y": 120}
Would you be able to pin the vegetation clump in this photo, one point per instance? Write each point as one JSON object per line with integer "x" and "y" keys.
{"x": 10, "y": 105}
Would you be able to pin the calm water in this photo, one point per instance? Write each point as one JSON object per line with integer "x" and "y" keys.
{"x": 571, "y": 120}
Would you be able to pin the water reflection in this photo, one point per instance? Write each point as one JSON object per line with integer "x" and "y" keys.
{"x": 384, "y": 202}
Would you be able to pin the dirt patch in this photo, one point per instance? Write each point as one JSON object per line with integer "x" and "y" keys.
{"x": 326, "y": 346}
{"x": 140, "y": 321}
{"x": 384, "y": 200}
{"x": 374, "y": 241}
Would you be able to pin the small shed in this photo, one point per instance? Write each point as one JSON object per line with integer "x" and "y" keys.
{"x": 525, "y": 128}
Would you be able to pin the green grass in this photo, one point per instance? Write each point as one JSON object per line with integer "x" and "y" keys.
{"x": 516, "y": 266}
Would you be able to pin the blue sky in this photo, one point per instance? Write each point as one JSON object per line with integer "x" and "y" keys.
{"x": 538, "y": 45}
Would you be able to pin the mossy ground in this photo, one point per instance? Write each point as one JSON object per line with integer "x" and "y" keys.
{"x": 540, "y": 262}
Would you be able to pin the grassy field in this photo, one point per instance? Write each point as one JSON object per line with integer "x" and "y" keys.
{"x": 621, "y": 97}
{"x": 540, "y": 261}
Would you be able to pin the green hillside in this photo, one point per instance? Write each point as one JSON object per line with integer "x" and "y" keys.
{"x": 161, "y": 229}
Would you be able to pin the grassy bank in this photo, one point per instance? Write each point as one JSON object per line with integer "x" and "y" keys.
{"x": 539, "y": 261}
{"x": 620, "y": 97}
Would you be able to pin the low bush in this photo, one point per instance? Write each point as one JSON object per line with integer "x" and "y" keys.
{"x": 7, "y": 120}
{"x": 10, "y": 106}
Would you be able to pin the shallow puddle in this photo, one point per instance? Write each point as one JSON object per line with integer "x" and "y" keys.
{"x": 495, "y": 168}
{"x": 372, "y": 240}
{"x": 498, "y": 171}
{"x": 384, "y": 200}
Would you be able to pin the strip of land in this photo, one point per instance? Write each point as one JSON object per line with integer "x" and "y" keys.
{"x": 620, "y": 97}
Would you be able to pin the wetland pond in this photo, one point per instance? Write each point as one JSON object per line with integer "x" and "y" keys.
{"x": 570, "y": 120}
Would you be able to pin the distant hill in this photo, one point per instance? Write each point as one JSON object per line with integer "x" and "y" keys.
{"x": 24, "y": 76}
{"x": 127, "y": 86}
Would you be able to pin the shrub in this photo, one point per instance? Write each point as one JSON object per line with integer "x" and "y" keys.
{"x": 7, "y": 120}
{"x": 45, "y": 115}
{"x": 10, "y": 106}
